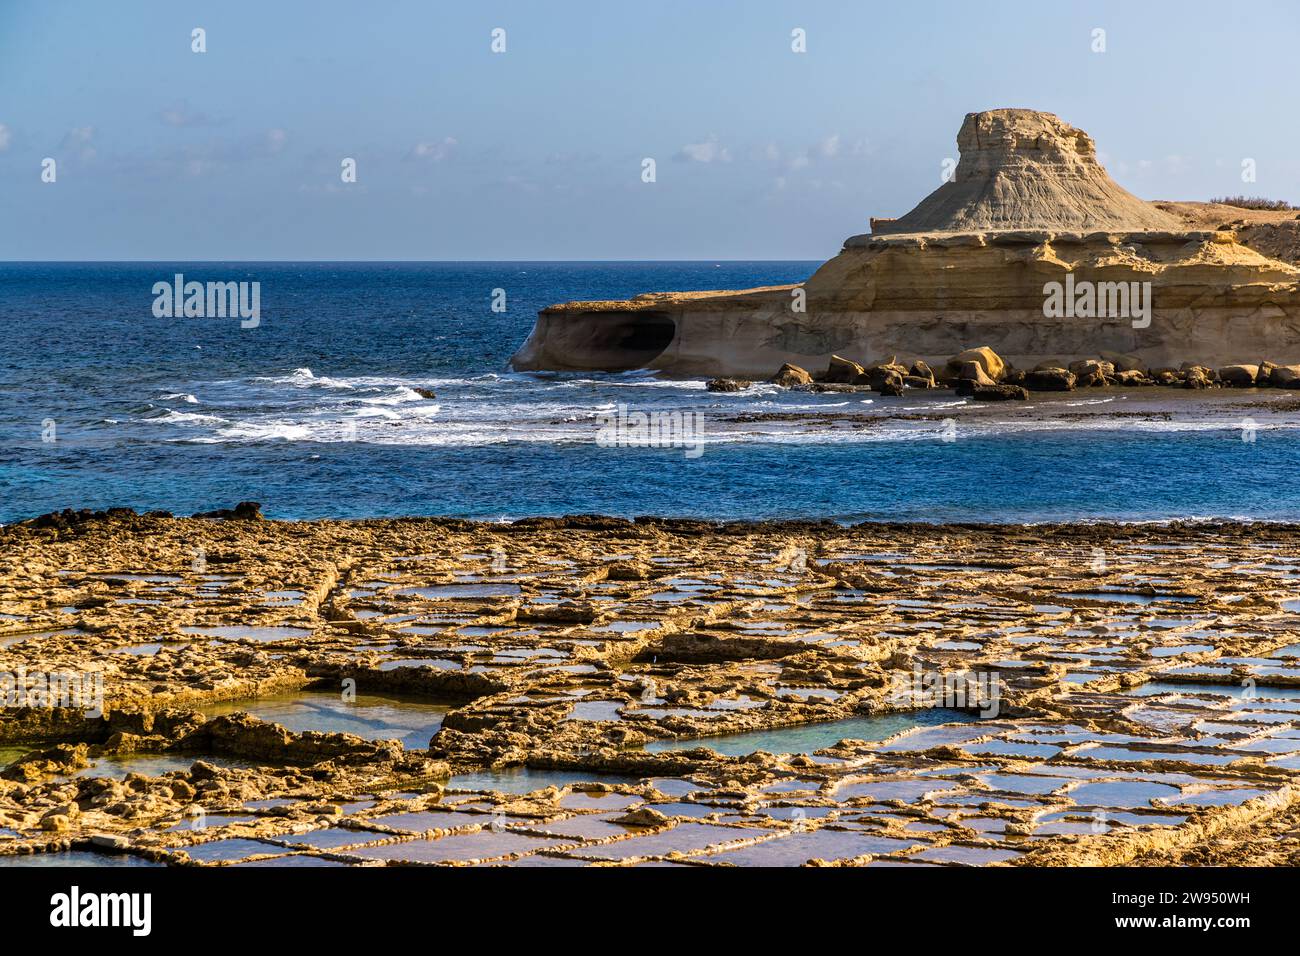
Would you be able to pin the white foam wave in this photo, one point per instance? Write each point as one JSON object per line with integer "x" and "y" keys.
{"x": 173, "y": 417}
{"x": 401, "y": 394}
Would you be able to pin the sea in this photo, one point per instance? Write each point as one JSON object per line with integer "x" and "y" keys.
{"x": 318, "y": 412}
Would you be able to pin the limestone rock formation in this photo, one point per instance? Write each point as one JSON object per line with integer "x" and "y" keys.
{"x": 1030, "y": 218}
{"x": 789, "y": 376}
{"x": 1021, "y": 169}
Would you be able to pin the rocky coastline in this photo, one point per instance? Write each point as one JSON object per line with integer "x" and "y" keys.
{"x": 981, "y": 374}
{"x": 651, "y": 692}
{"x": 992, "y": 258}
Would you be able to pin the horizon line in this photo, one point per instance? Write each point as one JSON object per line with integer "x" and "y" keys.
{"x": 16, "y": 262}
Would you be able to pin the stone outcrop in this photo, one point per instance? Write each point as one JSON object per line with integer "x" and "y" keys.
{"x": 1021, "y": 169}
{"x": 788, "y": 376}
{"x": 972, "y": 265}
{"x": 727, "y": 384}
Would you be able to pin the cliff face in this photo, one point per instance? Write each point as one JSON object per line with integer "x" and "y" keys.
{"x": 969, "y": 266}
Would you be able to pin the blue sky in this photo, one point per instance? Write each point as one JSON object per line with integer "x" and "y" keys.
{"x": 536, "y": 153}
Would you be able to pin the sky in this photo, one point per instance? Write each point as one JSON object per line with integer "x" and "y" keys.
{"x": 537, "y": 152}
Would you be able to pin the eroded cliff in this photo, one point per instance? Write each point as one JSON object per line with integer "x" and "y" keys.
{"x": 973, "y": 264}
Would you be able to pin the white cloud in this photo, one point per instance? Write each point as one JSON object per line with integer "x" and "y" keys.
{"x": 709, "y": 151}
{"x": 80, "y": 141}
{"x": 434, "y": 152}
{"x": 180, "y": 115}
{"x": 276, "y": 140}
{"x": 5, "y": 137}
{"x": 829, "y": 147}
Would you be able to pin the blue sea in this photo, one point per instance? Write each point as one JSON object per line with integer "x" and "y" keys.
{"x": 314, "y": 413}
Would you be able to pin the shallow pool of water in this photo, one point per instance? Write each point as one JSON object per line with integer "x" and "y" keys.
{"x": 461, "y": 591}
{"x": 1237, "y": 691}
{"x": 372, "y": 716}
{"x": 77, "y": 858}
{"x": 1126, "y": 597}
{"x": 9, "y": 754}
{"x": 806, "y": 738}
{"x": 118, "y": 766}
{"x": 527, "y": 779}
{"x": 241, "y": 632}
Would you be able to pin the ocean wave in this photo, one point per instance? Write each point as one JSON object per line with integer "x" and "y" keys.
{"x": 172, "y": 417}
{"x": 429, "y": 425}
{"x": 401, "y": 394}
{"x": 257, "y": 431}
{"x": 304, "y": 378}
{"x": 930, "y": 406}
{"x": 185, "y": 397}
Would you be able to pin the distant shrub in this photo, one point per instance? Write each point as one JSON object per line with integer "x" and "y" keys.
{"x": 1254, "y": 202}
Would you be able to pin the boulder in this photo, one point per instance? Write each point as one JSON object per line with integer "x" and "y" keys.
{"x": 1092, "y": 373}
{"x": 1131, "y": 378}
{"x": 727, "y": 384}
{"x": 974, "y": 372}
{"x": 1124, "y": 363}
{"x": 1085, "y": 368}
{"x": 1206, "y": 370}
{"x": 1265, "y": 376}
{"x": 890, "y": 384}
{"x": 425, "y": 392}
{"x": 1285, "y": 376}
{"x": 841, "y": 371}
{"x": 921, "y": 370}
{"x": 988, "y": 360}
{"x": 998, "y": 393}
{"x": 244, "y": 511}
{"x": 1197, "y": 377}
{"x": 1239, "y": 376}
{"x": 970, "y": 375}
{"x": 788, "y": 376}
{"x": 918, "y": 381}
{"x": 1049, "y": 380}
{"x": 834, "y": 387}
{"x": 877, "y": 376}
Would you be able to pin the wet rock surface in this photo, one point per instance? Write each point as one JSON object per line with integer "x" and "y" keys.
{"x": 613, "y": 692}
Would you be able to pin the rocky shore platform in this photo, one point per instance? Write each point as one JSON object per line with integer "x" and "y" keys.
{"x": 598, "y": 691}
